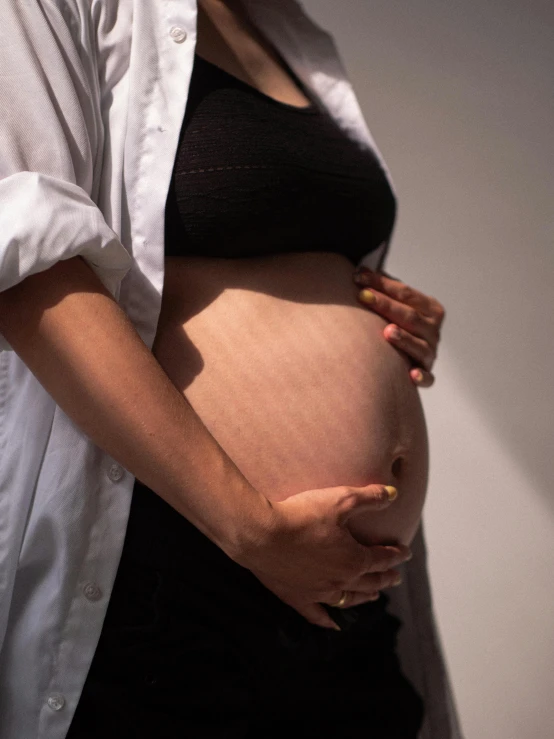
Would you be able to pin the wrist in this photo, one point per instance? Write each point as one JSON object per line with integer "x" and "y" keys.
{"x": 251, "y": 532}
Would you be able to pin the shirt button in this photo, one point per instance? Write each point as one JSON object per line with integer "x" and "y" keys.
{"x": 56, "y": 702}
{"x": 115, "y": 473}
{"x": 92, "y": 591}
{"x": 178, "y": 34}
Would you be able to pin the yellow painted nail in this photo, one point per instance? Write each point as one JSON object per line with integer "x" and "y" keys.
{"x": 391, "y": 492}
{"x": 418, "y": 376}
{"x": 367, "y": 296}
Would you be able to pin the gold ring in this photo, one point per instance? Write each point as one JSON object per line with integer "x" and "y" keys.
{"x": 340, "y": 603}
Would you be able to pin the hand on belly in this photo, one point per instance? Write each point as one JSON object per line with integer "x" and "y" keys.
{"x": 295, "y": 381}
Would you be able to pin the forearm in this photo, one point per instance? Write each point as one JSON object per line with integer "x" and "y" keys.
{"x": 86, "y": 353}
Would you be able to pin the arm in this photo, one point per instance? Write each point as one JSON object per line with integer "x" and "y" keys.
{"x": 51, "y": 142}
{"x": 73, "y": 336}
{"x": 60, "y": 265}
{"x": 85, "y": 352}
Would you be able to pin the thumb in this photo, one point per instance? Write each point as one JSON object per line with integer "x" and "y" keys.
{"x": 367, "y": 498}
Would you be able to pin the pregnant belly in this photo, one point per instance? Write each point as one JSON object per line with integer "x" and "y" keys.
{"x": 295, "y": 381}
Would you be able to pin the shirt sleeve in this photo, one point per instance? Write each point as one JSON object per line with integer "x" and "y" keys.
{"x": 51, "y": 140}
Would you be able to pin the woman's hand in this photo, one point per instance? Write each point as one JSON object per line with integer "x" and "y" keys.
{"x": 416, "y": 319}
{"x": 305, "y": 554}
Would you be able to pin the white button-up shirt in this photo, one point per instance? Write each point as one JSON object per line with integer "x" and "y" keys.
{"x": 92, "y": 97}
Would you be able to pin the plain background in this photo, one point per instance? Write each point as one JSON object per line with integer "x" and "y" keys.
{"x": 459, "y": 97}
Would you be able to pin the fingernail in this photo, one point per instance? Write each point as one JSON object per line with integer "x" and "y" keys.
{"x": 375, "y": 597}
{"x": 391, "y": 492}
{"x": 337, "y": 627}
{"x": 367, "y": 296}
{"x": 418, "y": 376}
{"x": 394, "y": 333}
{"x": 397, "y": 581}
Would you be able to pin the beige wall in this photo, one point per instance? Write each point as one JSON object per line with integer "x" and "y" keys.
{"x": 459, "y": 96}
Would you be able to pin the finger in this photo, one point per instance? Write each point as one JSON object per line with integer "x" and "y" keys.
{"x": 421, "y": 377}
{"x": 371, "y": 497}
{"x": 317, "y": 615}
{"x": 359, "y": 599}
{"x": 354, "y": 598}
{"x": 403, "y": 293}
{"x": 369, "y": 583}
{"x": 418, "y": 349}
{"x": 308, "y": 608}
{"x": 402, "y": 315}
{"x": 381, "y": 558}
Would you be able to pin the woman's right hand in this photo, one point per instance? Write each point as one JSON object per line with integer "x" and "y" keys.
{"x": 305, "y": 554}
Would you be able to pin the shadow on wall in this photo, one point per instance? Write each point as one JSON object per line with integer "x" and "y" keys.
{"x": 518, "y": 408}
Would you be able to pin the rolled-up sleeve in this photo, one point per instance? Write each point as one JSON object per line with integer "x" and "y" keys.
{"x": 51, "y": 140}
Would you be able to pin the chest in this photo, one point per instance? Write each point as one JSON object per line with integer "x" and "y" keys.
{"x": 253, "y": 176}
{"x": 227, "y": 37}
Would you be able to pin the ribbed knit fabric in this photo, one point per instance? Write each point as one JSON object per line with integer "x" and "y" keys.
{"x": 255, "y": 176}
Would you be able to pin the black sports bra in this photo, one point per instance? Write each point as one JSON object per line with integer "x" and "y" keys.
{"x": 256, "y": 176}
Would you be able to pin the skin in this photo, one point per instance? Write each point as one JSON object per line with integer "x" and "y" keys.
{"x": 416, "y": 319}
{"x": 227, "y": 39}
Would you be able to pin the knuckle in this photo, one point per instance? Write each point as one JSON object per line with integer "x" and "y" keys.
{"x": 434, "y": 322}
{"x": 372, "y": 582}
{"x": 373, "y": 564}
{"x": 355, "y": 564}
{"x": 429, "y": 359}
{"x": 440, "y": 312}
{"x": 403, "y": 293}
{"x": 402, "y": 335}
{"x": 413, "y": 318}
{"x": 334, "y": 585}
{"x": 348, "y": 500}
{"x": 429, "y": 330}
{"x": 344, "y": 492}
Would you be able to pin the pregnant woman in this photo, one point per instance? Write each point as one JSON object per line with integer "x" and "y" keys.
{"x": 263, "y": 332}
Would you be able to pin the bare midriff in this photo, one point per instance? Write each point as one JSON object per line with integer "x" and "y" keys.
{"x": 295, "y": 381}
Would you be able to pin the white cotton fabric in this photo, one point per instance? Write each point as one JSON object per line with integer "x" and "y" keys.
{"x": 92, "y": 97}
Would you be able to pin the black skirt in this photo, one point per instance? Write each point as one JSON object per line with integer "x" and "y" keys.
{"x": 194, "y": 645}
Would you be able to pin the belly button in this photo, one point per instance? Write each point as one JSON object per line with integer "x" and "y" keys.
{"x": 396, "y": 467}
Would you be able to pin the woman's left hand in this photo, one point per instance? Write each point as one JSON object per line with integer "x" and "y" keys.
{"x": 416, "y": 319}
